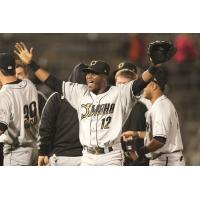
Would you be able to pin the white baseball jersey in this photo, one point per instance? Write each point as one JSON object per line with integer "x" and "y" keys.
{"x": 146, "y": 102}
{"x": 101, "y": 116}
{"x": 162, "y": 120}
{"x": 19, "y": 111}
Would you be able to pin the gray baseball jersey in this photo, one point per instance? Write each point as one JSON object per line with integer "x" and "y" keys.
{"x": 101, "y": 116}
{"x": 162, "y": 120}
{"x": 19, "y": 111}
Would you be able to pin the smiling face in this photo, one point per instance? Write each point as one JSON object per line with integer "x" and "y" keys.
{"x": 96, "y": 82}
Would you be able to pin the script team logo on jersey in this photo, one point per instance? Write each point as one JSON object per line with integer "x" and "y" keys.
{"x": 94, "y": 110}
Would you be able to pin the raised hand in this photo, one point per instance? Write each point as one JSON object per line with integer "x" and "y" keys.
{"x": 129, "y": 135}
{"x": 23, "y": 53}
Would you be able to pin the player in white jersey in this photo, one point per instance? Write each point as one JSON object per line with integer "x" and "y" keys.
{"x": 18, "y": 115}
{"x": 163, "y": 143}
{"x": 102, "y": 109}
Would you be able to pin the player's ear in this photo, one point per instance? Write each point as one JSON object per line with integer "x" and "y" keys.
{"x": 154, "y": 85}
{"x": 1, "y": 73}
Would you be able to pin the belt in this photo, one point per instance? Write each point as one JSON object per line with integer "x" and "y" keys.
{"x": 160, "y": 154}
{"x": 98, "y": 150}
{"x": 172, "y": 152}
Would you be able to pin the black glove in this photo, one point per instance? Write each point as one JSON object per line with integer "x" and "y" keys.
{"x": 161, "y": 51}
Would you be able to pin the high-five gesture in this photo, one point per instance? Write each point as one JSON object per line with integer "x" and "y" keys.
{"x": 24, "y": 54}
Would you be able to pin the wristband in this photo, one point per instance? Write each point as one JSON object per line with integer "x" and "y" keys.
{"x": 152, "y": 70}
{"x": 142, "y": 151}
{"x": 129, "y": 146}
{"x": 34, "y": 66}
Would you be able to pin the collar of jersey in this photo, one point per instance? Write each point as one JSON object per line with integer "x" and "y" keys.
{"x": 19, "y": 85}
{"x": 159, "y": 99}
{"x": 102, "y": 94}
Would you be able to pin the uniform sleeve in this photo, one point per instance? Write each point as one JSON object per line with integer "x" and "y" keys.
{"x": 47, "y": 124}
{"x": 138, "y": 85}
{"x": 127, "y": 98}
{"x": 161, "y": 123}
{"x": 54, "y": 83}
{"x": 73, "y": 92}
{"x": 5, "y": 110}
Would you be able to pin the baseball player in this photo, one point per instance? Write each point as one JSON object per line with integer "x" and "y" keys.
{"x": 59, "y": 143}
{"x": 163, "y": 143}
{"x": 18, "y": 115}
{"x": 136, "y": 121}
{"x": 22, "y": 73}
{"x": 102, "y": 109}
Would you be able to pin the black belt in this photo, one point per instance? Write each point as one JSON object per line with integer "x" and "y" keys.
{"x": 172, "y": 152}
{"x": 160, "y": 154}
{"x": 98, "y": 150}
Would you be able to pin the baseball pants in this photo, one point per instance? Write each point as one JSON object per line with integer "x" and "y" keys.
{"x": 21, "y": 156}
{"x": 113, "y": 158}
{"x": 172, "y": 159}
{"x": 64, "y": 161}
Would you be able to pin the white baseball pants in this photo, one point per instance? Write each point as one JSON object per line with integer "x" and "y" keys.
{"x": 172, "y": 159}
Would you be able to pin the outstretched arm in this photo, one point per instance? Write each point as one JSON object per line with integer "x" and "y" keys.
{"x": 26, "y": 56}
{"x": 143, "y": 81}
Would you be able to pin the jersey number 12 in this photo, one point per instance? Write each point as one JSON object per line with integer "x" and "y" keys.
{"x": 105, "y": 123}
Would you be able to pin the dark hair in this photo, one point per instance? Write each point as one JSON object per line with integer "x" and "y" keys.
{"x": 161, "y": 78}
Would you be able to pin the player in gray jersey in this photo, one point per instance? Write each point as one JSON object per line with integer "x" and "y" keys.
{"x": 102, "y": 109}
{"x": 18, "y": 115}
{"x": 22, "y": 73}
{"x": 163, "y": 143}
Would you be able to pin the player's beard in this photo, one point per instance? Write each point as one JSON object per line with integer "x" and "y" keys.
{"x": 93, "y": 87}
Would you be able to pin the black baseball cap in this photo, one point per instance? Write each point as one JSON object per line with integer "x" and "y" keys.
{"x": 98, "y": 67}
{"x": 7, "y": 63}
{"x": 127, "y": 65}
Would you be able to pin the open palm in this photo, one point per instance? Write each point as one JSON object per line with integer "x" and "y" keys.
{"x": 24, "y": 54}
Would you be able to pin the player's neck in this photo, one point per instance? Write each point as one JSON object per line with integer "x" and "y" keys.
{"x": 8, "y": 79}
{"x": 156, "y": 96}
{"x": 103, "y": 89}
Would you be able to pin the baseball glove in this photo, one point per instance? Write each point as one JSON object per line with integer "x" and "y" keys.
{"x": 129, "y": 150}
{"x": 161, "y": 51}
